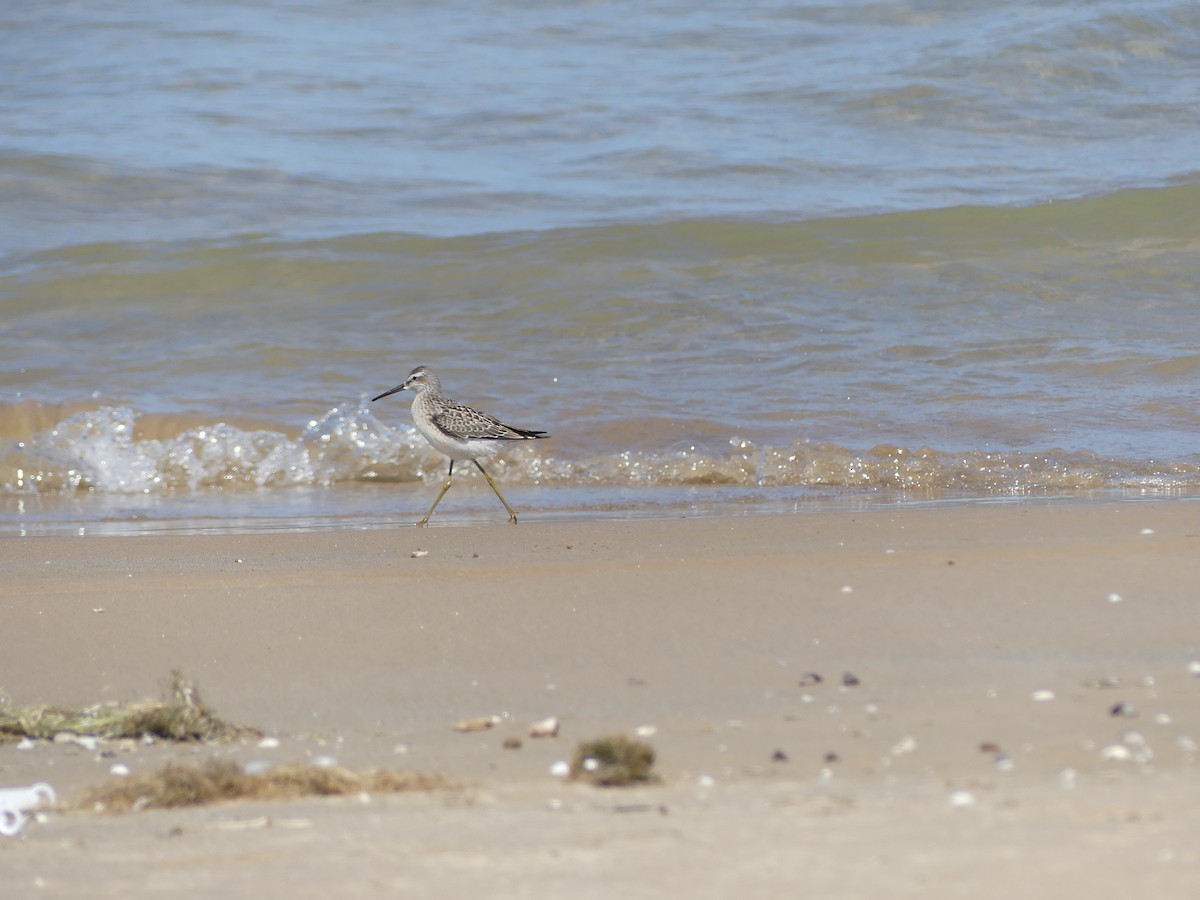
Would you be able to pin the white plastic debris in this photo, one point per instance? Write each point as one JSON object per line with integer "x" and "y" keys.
{"x": 15, "y": 802}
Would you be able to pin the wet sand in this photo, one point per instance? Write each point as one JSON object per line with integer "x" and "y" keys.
{"x": 961, "y": 739}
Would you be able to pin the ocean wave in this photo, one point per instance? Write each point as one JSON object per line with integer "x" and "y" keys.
{"x": 107, "y": 450}
{"x": 1143, "y": 221}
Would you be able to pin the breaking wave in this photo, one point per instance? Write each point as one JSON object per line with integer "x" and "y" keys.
{"x": 113, "y": 450}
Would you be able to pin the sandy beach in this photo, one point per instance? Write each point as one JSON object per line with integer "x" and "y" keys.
{"x": 981, "y": 700}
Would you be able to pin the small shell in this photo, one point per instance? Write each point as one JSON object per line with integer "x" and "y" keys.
{"x": 962, "y": 798}
{"x": 481, "y": 723}
{"x": 906, "y": 744}
{"x": 1042, "y": 696}
{"x": 545, "y": 728}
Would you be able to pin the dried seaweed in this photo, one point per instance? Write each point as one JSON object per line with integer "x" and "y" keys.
{"x": 176, "y": 786}
{"x": 183, "y": 718}
{"x": 617, "y": 761}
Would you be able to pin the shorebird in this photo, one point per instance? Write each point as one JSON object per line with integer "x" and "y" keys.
{"x": 457, "y": 431}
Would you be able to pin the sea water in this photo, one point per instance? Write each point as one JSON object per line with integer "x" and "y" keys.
{"x": 733, "y": 257}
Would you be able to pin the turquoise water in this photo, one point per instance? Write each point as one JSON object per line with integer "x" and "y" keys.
{"x": 732, "y": 259}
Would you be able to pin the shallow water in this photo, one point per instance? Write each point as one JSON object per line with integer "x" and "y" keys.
{"x": 731, "y": 261}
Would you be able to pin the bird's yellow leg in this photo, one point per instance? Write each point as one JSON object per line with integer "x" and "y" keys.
{"x": 512, "y": 513}
{"x": 445, "y": 487}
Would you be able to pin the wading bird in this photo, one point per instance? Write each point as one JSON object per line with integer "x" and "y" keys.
{"x": 457, "y": 431}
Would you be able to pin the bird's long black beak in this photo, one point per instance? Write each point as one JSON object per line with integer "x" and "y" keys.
{"x": 394, "y": 390}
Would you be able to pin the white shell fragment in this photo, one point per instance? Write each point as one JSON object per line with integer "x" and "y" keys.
{"x": 1132, "y": 748}
{"x": 268, "y": 743}
{"x": 962, "y": 798}
{"x": 561, "y": 769}
{"x": 1042, "y": 696}
{"x": 546, "y": 728}
{"x": 1194, "y": 667}
{"x": 88, "y": 742}
{"x": 906, "y": 744}
{"x": 482, "y": 723}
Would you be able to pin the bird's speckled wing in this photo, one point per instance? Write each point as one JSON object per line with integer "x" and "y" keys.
{"x": 465, "y": 423}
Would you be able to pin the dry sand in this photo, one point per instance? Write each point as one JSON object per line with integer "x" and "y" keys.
{"x": 939, "y": 774}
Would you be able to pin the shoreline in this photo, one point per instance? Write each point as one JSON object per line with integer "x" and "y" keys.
{"x": 964, "y": 652}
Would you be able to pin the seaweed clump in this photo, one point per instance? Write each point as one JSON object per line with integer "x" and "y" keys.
{"x": 220, "y": 781}
{"x": 617, "y": 761}
{"x": 185, "y": 717}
